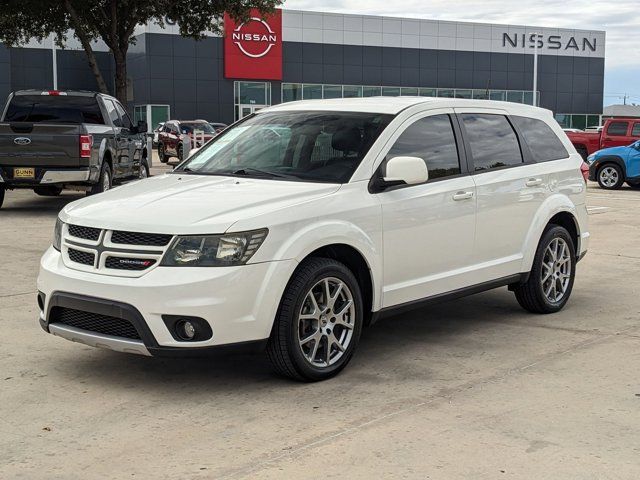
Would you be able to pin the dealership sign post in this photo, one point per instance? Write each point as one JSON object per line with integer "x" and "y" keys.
{"x": 253, "y": 48}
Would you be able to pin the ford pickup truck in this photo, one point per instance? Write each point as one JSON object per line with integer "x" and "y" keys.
{"x": 616, "y": 132}
{"x": 52, "y": 140}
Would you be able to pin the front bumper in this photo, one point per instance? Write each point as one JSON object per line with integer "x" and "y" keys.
{"x": 46, "y": 176}
{"x": 239, "y": 303}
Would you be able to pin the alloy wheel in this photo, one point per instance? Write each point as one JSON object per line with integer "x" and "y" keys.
{"x": 326, "y": 322}
{"x": 556, "y": 270}
{"x": 609, "y": 177}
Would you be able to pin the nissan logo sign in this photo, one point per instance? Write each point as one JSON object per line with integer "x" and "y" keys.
{"x": 22, "y": 141}
{"x": 254, "y": 43}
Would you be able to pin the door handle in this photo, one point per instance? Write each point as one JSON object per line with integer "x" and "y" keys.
{"x": 462, "y": 196}
{"x": 533, "y": 182}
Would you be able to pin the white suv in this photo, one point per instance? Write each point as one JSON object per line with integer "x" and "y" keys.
{"x": 299, "y": 225}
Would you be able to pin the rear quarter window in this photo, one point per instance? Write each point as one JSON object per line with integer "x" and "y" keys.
{"x": 543, "y": 143}
{"x": 617, "y": 129}
{"x": 53, "y": 109}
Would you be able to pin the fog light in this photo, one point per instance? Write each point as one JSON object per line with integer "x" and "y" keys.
{"x": 186, "y": 330}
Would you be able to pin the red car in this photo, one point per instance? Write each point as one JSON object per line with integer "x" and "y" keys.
{"x": 617, "y": 132}
{"x": 174, "y": 134}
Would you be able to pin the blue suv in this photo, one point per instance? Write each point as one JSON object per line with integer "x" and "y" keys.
{"x": 611, "y": 167}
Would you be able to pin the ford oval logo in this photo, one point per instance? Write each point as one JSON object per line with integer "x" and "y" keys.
{"x": 22, "y": 141}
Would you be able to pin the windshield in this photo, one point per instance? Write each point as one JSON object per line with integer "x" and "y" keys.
{"x": 190, "y": 127}
{"x": 312, "y": 146}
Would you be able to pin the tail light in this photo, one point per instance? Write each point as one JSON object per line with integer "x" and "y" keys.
{"x": 54, "y": 93}
{"x": 584, "y": 169}
{"x": 86, "y": 142}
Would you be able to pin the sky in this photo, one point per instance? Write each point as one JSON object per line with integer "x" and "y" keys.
{"x": 620, "y": 20}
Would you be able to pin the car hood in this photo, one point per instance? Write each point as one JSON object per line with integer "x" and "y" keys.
{"x": 620, "y": 151}
{"x": 189, "y": 204}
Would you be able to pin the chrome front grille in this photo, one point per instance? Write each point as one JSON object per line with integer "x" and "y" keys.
{"x": 112, "y": 252}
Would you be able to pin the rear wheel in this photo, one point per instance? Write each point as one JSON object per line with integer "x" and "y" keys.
{"x": 144, "y": 169}
{"x": 50, "y": 191}
{"x": 550, "y": 281}
{"x": 104, "y": 182}
{"x": 610, "y": 176}
{"x": 180, "y": 152}
{"x": 162, "y": 155}
{"x": 318, "y": 323}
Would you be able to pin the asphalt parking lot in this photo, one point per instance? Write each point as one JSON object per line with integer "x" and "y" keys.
{"x": 474, "y": 388}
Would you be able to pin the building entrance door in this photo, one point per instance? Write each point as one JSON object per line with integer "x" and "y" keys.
{"x": 249, "y": 109}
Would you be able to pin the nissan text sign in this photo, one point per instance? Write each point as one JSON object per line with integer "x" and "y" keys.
{"x": 253, "y": 48}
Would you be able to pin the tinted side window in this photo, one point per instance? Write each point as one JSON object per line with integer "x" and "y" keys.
{"x": 113, "y": 114}
{"x": 542, "y": 142}
{"x": 617, "y": 128}
{"x": 493, "y": 142}
{"x": 126, "y": 121}
{"x": 636, "y": 130}
{"x": 431, "y": 139}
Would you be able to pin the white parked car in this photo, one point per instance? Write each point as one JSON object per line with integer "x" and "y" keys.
{"x": 298, "y": 226}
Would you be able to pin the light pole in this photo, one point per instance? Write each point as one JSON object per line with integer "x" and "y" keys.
{"x": 54, "y": 59}
{"x": 535, "y": 69}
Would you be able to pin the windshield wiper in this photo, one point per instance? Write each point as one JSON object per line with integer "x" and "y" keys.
{"x": 248, "y": 171}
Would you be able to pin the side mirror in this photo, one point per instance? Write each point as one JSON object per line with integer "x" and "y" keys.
{"x": 141, "y": 127}
{"x": 401, "y": 171}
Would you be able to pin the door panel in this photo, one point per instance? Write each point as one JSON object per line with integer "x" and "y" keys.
{"x": 428, "y": 229}
{"x": 428, "y": 239}
{"x": 617, "y": 134}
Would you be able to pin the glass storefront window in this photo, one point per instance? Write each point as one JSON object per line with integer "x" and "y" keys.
{"x": 409, "y": 91}
{"x": 514, "y": 96}
{"x": 351, "y": 91}
{"x": 463, "y": 93}
{"x": 311, "y": 91}
{"x": 499, "y": 95}
{"x": 253, "y": 93}
{"x": 391, "y": 91}
{"x": 428, "y": 92}
{"x": 291, "y": 92}
{"x": 332, "y": 91}
{"x": 446, "y": 92}
{"x": 579, "y": 121}
{"x": 371, "y": 91}
{"x": 593, "y": 121}
{"x": 528, "y": 98}
{"x": 481, "y": 94}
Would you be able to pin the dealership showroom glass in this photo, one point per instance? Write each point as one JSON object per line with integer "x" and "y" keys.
{"x": 294, "y": 55}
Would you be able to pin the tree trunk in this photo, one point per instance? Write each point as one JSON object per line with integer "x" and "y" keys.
{"x": 86, "y": 44}
{"x": 121, "y": 75}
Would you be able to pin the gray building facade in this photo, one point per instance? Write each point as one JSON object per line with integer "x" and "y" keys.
{"x": 330, "y": 55}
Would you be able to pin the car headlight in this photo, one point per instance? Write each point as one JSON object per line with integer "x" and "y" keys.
{"x": 591, "y": 158}
{"x": 57, "y": 234}
{"x": 225, "y": 250}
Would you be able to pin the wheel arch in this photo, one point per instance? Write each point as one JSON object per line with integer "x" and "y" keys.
{"x": 602, "y": 161}
{"x": 558, "y": 210}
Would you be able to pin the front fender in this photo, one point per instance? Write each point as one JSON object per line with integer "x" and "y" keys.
{"x": 323, "y": 233}
{"x": 552, "y": 206}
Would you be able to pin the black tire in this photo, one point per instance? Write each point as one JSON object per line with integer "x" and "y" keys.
{"x": 49, "y": 191}
{"x": 283, "y": 349}
{"x": 180, "y": 152}
{"x": 582, "y": 151}
{"x": 1, "y": 195}
{"x": 144, "y": 169}
{"x": 105, "y": 181}
{"x": 606, "y": 168}
{"x": 162, "y": 155}
{"x": 530, "y": 295}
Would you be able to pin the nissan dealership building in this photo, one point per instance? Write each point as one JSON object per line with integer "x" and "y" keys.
{"x": 293, "y": 55}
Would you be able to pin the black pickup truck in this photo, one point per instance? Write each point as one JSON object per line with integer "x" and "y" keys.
{"x": 51, "y": 140}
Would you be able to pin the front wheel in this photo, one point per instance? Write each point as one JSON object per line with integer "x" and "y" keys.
{"x": 550, "y": 281}
{"x": 610, "y": 176}
{"x": 144, "y": 169}
{"x": 318, "y": 323}
{"x": 162, "y": 154}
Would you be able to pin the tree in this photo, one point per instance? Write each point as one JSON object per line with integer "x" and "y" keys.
{"x": 114, "y": 22}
